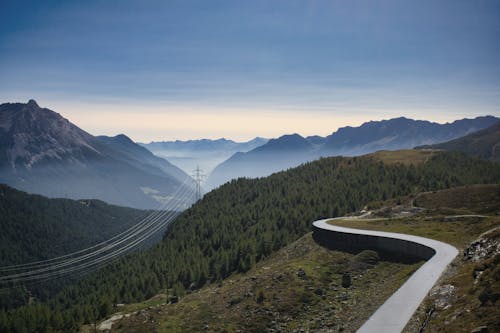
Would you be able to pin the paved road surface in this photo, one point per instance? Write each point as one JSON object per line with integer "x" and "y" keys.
{"x": 394, "y": 314}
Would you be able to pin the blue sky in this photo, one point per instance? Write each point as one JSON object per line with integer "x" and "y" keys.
{"x": 190, "y": 69}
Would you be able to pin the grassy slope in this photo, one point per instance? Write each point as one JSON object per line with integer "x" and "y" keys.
{"x": 458, "y": 233}
{"x": 273, "y": 296}
{"x": 480, "y": 199}
{"x": 405, "y": 156}
{"x": 437, "y": 222}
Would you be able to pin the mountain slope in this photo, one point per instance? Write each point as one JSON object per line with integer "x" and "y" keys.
{"x": 392, "y": 134}
{"x": 204, "y": 153}
{"x": 41, "y": 152}
{"x": 247, "y": 220}
{"x": 300, "y": 286}
{"x": 140, "y": 157}
{"x": 32, "y": 135}
{"x": 484, "y": 143}
{"x": 278, "y": 154}
{"x": 38, "y": 228}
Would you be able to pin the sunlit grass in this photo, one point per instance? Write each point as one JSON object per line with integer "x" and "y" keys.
{"x": 457, "y": 233}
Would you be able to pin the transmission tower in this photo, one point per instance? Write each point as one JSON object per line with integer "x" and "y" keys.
{"x": 198, "y": 177}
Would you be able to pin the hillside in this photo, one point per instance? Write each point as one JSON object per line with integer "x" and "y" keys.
{"x": 300, "y": 287}
{"x": 37, "y": 228}
{"x": 484, "y": 144}
{"x": 245, "y": 221}
{"x": 466, "y": 297}
{"x": 297, "y": 288}
{"x": 291, "y": 150}
{"x": 42, "y": 152}
{"x": 141, "y": 158}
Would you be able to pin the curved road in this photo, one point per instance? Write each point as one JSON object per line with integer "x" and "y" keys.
{"x": 394, "y": 314}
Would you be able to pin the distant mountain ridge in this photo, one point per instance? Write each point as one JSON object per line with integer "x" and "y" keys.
{"x": 205, "y": 153}
{"x": 291, "y": 150}
{"x": 205, "y": 144}
{"x": 399, "y": 133}
{"x": 42, "y": 152}
{"x": 484, "y": 144}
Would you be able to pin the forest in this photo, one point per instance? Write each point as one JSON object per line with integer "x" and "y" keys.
{"x": 38, "y": 228}
{"x": 238, "y": 224}
{"x": 36, "y": 222}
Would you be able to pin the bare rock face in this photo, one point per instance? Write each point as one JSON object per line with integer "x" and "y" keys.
{"x": 482, "y": 248}
{"x": 443, "y": 296}
{"x": 33, "y": 135}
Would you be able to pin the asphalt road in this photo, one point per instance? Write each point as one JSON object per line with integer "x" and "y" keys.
{"x": 394, "y": 314}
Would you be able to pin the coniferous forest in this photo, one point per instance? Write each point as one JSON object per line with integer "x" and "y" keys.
{"x": 31, "y": 220}
{"x": 238, "y": 224}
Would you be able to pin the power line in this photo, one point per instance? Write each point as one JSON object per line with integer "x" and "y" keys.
{"x": 92, "y": 260}
{"x": 104, "y": 252}
{"x": 143, "y": 223}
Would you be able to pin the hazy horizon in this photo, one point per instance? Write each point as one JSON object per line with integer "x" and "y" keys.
{"x": 86, "y": 121}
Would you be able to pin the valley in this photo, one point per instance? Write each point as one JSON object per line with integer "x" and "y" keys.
{"x": 250, "y": 166}
{"x": 203, "y": 153}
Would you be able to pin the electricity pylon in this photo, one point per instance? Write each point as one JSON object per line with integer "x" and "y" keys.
{"x": 198, "y": 177}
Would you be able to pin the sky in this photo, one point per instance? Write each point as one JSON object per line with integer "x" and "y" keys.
{"x": 164, "y": 70}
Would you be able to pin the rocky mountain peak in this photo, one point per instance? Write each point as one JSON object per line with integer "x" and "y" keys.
{"x": 33, "y": 135}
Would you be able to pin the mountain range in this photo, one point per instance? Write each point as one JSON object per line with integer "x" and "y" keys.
{"x": 42, "y": 152}
{"x": 291, "y": 150}
{"x": 203, "y": 153}
{"x": 399, "y": 133}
